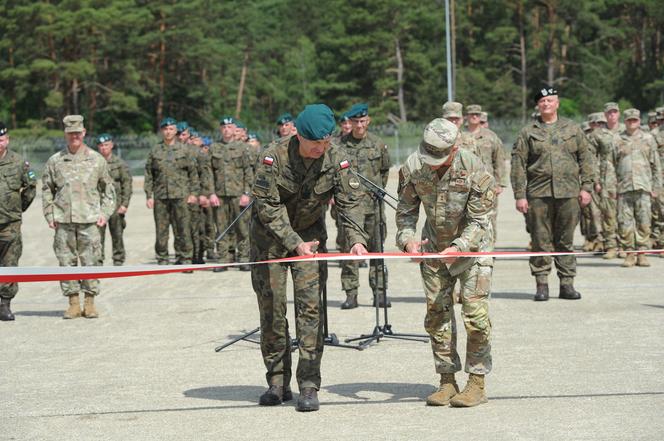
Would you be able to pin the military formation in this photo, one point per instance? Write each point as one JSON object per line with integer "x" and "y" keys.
{"x": 235, "y": 201}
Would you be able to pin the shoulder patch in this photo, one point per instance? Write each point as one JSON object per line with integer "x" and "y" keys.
{"x": 268, "y": 160}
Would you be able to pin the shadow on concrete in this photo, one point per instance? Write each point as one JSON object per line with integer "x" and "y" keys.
{"x": 566, "y": 396}
{"x": 653, "y": 306}
{"x": 601, "y": 264}
{"x": 398, "y": 391}
{"x": 512, "y": 295}
{"x": 40, "y": 313}
{"x": 227, "y": 393}
{"x": 405, "y": 299}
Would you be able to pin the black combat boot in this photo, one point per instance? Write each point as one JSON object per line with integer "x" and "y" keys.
{"x": 351, "y": 300}
{"x": 542, "y": 293}
{"x": 308, "y": 400}
{"x": 568, "y": 292}
{"x": 5, "y": 311}
{"x": 275, "y": 395}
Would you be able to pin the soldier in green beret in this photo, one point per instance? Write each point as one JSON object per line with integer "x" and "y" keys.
{"x": 294, "y": 181}
{"x": 119, "y": 171}
{"x": 286, "y": 125}
{"x": 17, "y": 191}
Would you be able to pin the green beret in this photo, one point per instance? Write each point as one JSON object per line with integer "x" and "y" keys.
{"x": 252, "y": 135}
{"x": 315, "y": 122}
{"x": 193, "y": 133}
{"x": 358, "y": 110}
{"x": 168, "y": 121}
{"x": 225, "y": 120}
{"x": 343, "y": 117}
{"x": 104, "y": 137}
{"x": 285, "y": 118}
{"x": 240, "y": 125}
{"x": 182, "y": 126}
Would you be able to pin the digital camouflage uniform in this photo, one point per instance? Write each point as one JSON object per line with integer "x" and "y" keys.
{"x": 369, "y": 157}
{"x": 233, "y": 177}
{"x": 196, "y": 213}
{"x": 658, "y": 202}
{"x": 591, "y": 214}
{"x": 603, "y": 142}
{"x": 76, "y": 190}
{"x": 122, "y": 182}
{"x": 171, "y": 177}
{"x": 458, "y": 209}
{"x": 17, "y": 191}
{"x": 635, "y": 163}
{"x": 551, "y": 163}
{"x": 288, "y": 210}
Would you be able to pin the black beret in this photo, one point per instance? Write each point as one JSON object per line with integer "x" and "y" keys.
{"x": 3, "y": 129}
{"x": 545, "y": 91}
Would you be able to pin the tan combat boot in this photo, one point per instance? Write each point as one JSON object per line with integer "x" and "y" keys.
{"x": 89, "y": 310}
{"x": 611, "y": 253}
{"x": 622, "y": 254}
{"x": 472, "y": 395}
{"x": 630, "y": 260}
{"x": 74, "y": 310}
{"x": 642, "y": 260}
{"x": 446, "y": 391}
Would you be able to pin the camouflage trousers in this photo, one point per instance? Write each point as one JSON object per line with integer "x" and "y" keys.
{"x": 552, "y": 223}
{"x": 172, "y": 213}
{"x": 634, "y": 220}
{"x": 116, "y": 226}
{"x": 74, "y": 244}
{"x": 658, "y": 219}
{"x": 350, "y": 272}
{"x": 591, "y": 219}
{"x": 609, "y": 221}
{"x": 195, "y": 221}
{"x": 494, "y": 221}
{"x": 208, "y": 229}
{"x": 226, "y": 213}
{"x": 11, "y": 247}
{"x": 269, "y": 283}
{"x": 440, "y": 322}
{"x": 339, "y": 241}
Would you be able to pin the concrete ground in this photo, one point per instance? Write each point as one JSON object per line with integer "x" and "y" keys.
{"x": 147, "y": 369}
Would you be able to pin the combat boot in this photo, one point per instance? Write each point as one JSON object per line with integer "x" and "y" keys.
{"x": 567, "y": 292}
{"x": 622, "y": 254}
{"x": 598, "y": 246}
{"x": 642, "y": 260}
{"x": 74, "y": 310}
{"x": 446, "y": 391}
{"x": 630, "y": 260}
{"x": 473, "y": 394}
{"x": 5, "y": 310}
{"x": 588, "y": 245}
{"x": 212, "y": 255}
{"x": 308, "y": 400}
{"x": 275, "y": 395}
{"x": 542, "y": 293}
{"x": 611, "y": 253}
{"x": 351, "y": 300}
{"x": 89, "y": 310}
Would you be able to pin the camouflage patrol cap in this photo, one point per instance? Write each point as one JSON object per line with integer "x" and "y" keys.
{"x": 437, "y": 141}
{"x": 585, "y": 126}
{"x": 3, "y": 129}
{"x": 597, "y": 117}
{"x": 473, "y": 108}
{"x": 611, "y": 106}
{"x": 652, "y": 117}
{"x": 452, "y": 109}
{"x": 631, "y": 114}
{"x": 660, "y": 112}
{"x": 104, "y": 137}
{"x": 168, "y": 121}
{"x": 484, "y": 117}
{"x": 73, "y": 123}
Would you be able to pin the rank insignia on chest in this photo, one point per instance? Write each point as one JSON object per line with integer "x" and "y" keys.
{"x": 344, "y": 164}
{"x": 268, "y": 160}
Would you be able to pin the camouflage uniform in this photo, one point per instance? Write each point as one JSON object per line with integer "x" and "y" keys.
{"x": 17, "y": 191}
{"x": 170, "y": 178}
{"x": 197, "y": 221}
{"x": 635, "y": 163}
{"x": 458, "y": 209}
{"x": 290, "y": 194}
{"x": 591, "y": 214}
{"x": 119, "y": 172}
{"x": 551, "y": 163}
{"x": 369, "y": 157}
{"x": 658, "y": 202}
{"x": 76, "y": 190}
{"x": 603, "y": 142}
{"x": 233, "y": 176}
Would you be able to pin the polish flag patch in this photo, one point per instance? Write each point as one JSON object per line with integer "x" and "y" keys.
{"x": 344, "y": 164}
{"x": 268, "y": 160}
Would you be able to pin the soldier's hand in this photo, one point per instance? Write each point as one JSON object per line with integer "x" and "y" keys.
{"x": 451, "y": 259}
{"x": 191, "y": 199}
{"x": 498, "y": 190}
{"x": 53, "y": 225}
{"x": 331, "y": 203}
{"x": 598, "y": 188}
{"x": 122, "y": 209}
{"x": 214, "y": 200}
{"x": 413, "y": 247}
{"x": 584, "y": 198}
{"x": 653, "y": 194}
{"x": 522, "y": 205}
{"x": 203, "y": 201}
{"x": 101, "y": 221}
{"x": 150, "y": 203}
{"x": 307, "y": 248}
{"x": 244, "y": 200}
{"x": 358, "y": 249}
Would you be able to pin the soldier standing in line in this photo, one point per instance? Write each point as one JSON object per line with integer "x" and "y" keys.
{"x": 458, "y": 196}
{"x": 78, "y": 196}
{"x": 591, "y": 215}
{"x": 286, "y": 125}
{"x": 637, "y": 176}
{"x": 484, "y": 120}
{"x": 294, "y": 181}
{"x": 122, "y": 181}
{"x": 171, "y": 185}
{"x": 552, "y": 176}
{"x": 652, "y": 123}
{"x": 612, "y": 114}
{"x": 453, "y": 112}
{"x": 208, "y": 227}
{"x": 17, "y": 191}
{"x": 345, "y": 127}
{"x": 232, "y": 180}
{"x": 491, "y": 152}
{"x": 658, "y": 203}
{"x": 369, "y": 157}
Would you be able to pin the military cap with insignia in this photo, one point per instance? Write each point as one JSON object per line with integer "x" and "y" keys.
{"x": 193, "y": 133}
{"x": 660, "y": 112}
{"x": 3, "y": 129}
{"x": 611, "y": 106}
{"x": 182, "y": 126}
{"x": 544, "y": 92}
{"x": 315, "y": 122}
{"x": 585, "y": 126}
{"x": 484, "y": 117}
{"x": 73, "y": 123}
{"x": 343, "y": 117}
{"x": 631, "y": 114}
{"x": 104, "y": 137}
{"x": 284, "y": 118}
{"x": 438, "y": 139}
{"x": 226, "y": 120}
{"x": 652, "y": 117}
{"x": 207, "y": 141}
{"x": 358, "y": 110}
{"x": 252, "y": 135}
{"x": 597, "y": 117}
{"x": 474, "y": 109}
{"x": 240, "y": 125}
{"x": 452, "y": 109}
{"x": 168, "y": 121}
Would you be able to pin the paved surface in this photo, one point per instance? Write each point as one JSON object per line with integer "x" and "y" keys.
{"x": 146, "y": 369}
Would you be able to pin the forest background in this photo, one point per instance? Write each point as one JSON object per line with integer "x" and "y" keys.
{"x": 125, "y": 64}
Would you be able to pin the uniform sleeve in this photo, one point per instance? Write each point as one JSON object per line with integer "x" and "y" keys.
{"x": 408, "y": 209}
{"x": 655, "y": 168}
{"x": 480, "y": 204}
{"x": 519, "y": 161}
{"x": 248, "y": 171}
{"x": 28, "y": 186}
{"x": 611, "y": 182}
{"x": 498, "y": 159}
{"x": 125, "y": 185}
{"x": 205, "y": 173}
{"x": 586, "y": 161}
{"x": 148, "y": 180}
{"x": 48, "y": 191}
{"x": 106, "y": 190}
{"x": 194, "y": 181}
{"x": 271, "y": 212}
{"x": 348, "y": 202}
{"x": 385, "y": 164}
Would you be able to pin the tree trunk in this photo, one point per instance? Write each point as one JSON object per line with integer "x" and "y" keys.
{"x": 563, "y": 50}
{"x": 402, "y": 104}
{"x": 524, "y": 64}
{"x": 243, "y": 77}
{"x": 93, "y": 92}
{"x": 162, "y": 68}
{"x": 550, "y": 43}
{"x": 74, "y": 95}
{"x": 13, "y": 88}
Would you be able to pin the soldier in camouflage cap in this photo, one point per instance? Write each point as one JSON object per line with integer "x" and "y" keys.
{"x": 484, "y": 120}
{"x": 453, "y": 111}
{"x": 591, "y": 218}
{"x": 658, "y": 203}
{"x": 652, "y": 122}
{"x": 294, "y": 181}
{"x": 17, "y": 191}
{"x": 78, "y": 197}
{"x": 612, "y": 114}
{"x": 552, "y": 176}
{"x": 458, "y": 196}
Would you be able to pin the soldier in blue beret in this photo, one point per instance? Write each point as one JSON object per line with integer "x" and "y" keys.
{"x": 183, "y": 131}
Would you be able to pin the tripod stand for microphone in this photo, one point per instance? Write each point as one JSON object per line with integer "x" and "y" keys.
{"x": 384, "y": 331}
